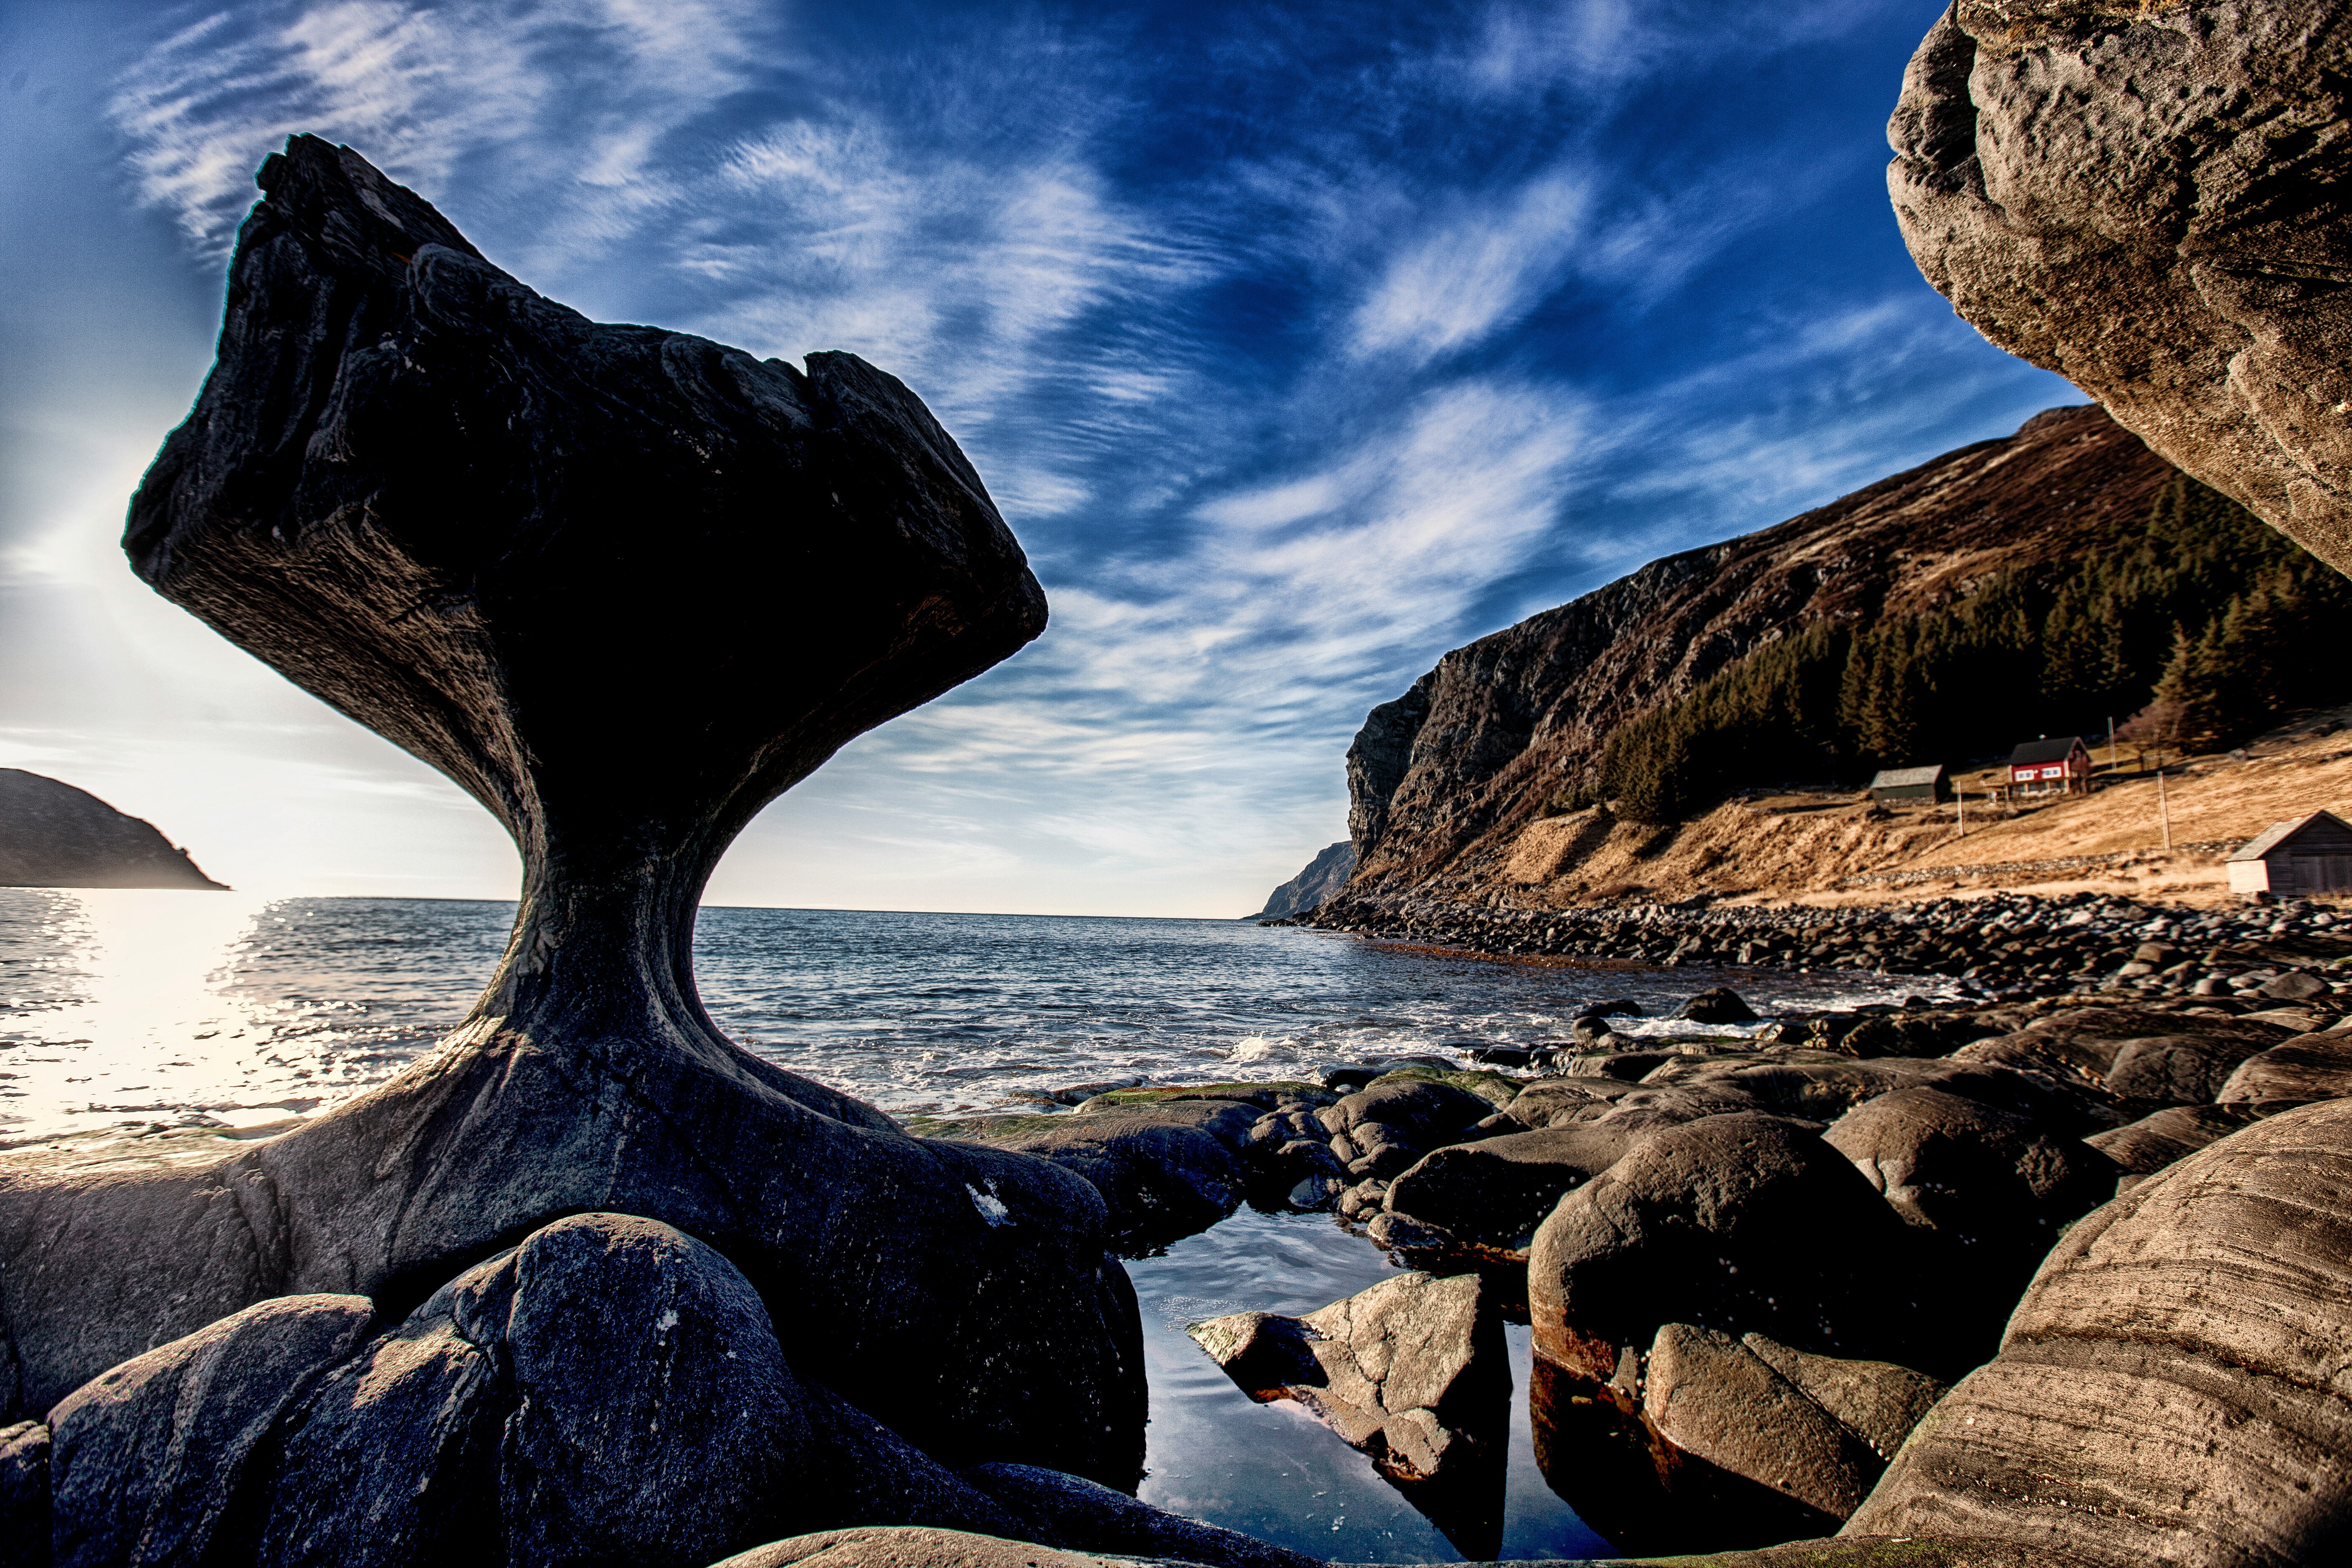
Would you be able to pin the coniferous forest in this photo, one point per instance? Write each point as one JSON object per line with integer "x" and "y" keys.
{"x": 2202, "y": 629}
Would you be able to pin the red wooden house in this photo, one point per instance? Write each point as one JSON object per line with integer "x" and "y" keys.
{"x": 2051, "y": 766}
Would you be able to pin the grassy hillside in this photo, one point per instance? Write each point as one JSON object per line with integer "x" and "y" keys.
{"x": 2201, "y": 624}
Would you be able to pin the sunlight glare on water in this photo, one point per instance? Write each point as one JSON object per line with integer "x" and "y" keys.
{"x": 130, "y": 1008}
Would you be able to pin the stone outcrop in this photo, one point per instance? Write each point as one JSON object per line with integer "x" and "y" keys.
{"x": 1323, "y": 876}
{"x": 1816, "y": 1431}
{"x": 1413, "y": 1371}
{"x": 612, "y": 1391}
{"x": 1744, "y": 1222}
{"x": 54, "y": 836}
{"x": 1441, "y": 780}
{"x": 2148, "y": 200}
{"x": 2172, "y": 1388}
{"x": 624, "y": 585}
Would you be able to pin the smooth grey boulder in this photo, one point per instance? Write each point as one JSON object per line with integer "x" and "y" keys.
{"x": 609, "y": 1391}
{"x": 24, "y": 1496}
{"x": 2297, "y": 1073}
{"x": 1955, "y": 1163}
{"x": 655, "y": 1413}
{"x": 1742, "y": 1222}
{"x": 1413, "y": 1371}
{"x": 1716, "y": 1400}
{"x": 2171, "y": 1389}
{"x": 2149, "y": 1145}
{"x": 1720, "y": 1005}
{"x": 1164, "y": 1168}
{"x": 1490, "y": 1196}
{"x": 147, "y": 1458}
{"x": 1704, "y": 1442}
{"x": 2177, "y": 1070}
{"x": 868, "y": 1475}
{"x": 2148, "y": 200}
{"x": 1877, "y": 1401}
{"x": 1416, "y": 1112}
{"x": 914, "y": 1547}
{"x": 1080, "y": 1515}
{"x": 428, "y": 496}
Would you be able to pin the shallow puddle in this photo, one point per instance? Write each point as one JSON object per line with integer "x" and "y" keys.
{"x": 1272, "y": 1470}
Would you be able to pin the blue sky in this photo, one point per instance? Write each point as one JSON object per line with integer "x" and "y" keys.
{"x": 1298, "y": 344}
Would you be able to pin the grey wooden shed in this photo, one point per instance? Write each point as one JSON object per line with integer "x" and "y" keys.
{"x": 1910, "y": 783}
{"x": 2313, "y": 855}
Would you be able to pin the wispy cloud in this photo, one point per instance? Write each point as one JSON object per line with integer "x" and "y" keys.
{"x": 1295, "y": 354}
{"x": 1477, "y": 275}
{"x": 572, "y": 102}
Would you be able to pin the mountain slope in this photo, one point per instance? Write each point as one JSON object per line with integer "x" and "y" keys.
{"x": 54, "y": 836}
{"x": 1322, "y": 877}
{"x": 1441, "y": 780}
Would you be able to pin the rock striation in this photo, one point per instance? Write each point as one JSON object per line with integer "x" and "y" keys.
{"x": 54, "y": 836}
{"x": 2170, "y": 1389}
{"x": 1441, "y": 780}
{"x": 1323, "y": 876}
{"x": 2147, "y": 199}
{"x": 624, "y": 585}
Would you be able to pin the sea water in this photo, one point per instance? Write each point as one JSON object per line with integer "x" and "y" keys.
{"x": 121, "y": 1010}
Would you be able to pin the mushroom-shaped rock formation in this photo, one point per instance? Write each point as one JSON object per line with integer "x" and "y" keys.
{"x": 2148, "y": 198}
{"x": 624, "y": 586}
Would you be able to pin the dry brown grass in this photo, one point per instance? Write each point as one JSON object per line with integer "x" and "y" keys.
{"x": 1803, "y": 847}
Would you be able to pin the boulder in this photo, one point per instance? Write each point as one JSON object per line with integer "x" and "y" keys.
{"x": 1739, "y": 1222}
{"x": 2144, "y": 200}
{"x": 24, "y": 1496}
{"x": 1381, "y": 1130}
{"x": 868, "y": 1475}
{"x": 1164, "y": 1168}
{"x": 2172, "y": 1388}
{"x": 1075, "y": 1513}
{"x": 906, "y": 1548}
{"x": 1413, "y": 1371}
{"x": 1913, "y": 1035}
{"x": 427, "y": 495}
{"x": 2293, "y": 986}
{"x": 2176, "y": 1069}
{"x": 1988, "y": 1178}
{"x": 2312, "y": 1068}
{"x": 1877, "y": 1401}
{"x": 1630, "y": 1067}
{"x": 146, "y": 1459}
{"x": 1717, "y": 1402}
{"x": 611, "y": 1390}
{"x": 1490, "y": 1195}
{"x": 1704, "y": 1442}
{"x": 2149, "y": 1145}
{"x": 1720, "y": 1005}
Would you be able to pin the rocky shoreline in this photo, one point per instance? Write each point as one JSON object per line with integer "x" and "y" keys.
{"x": 1999, "y": 942}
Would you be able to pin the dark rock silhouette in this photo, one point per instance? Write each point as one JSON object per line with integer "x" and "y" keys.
{"x": 1322, "y": 877}
{"x": 624, "y": 586}
{"x": 54, "y": 836}
{"x": 2149, "y": 201}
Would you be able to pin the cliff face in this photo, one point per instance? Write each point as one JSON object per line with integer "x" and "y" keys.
{"x": 1324, "y": 875}
{"x": 1442, "y": 779}
{"x": 54, "y": 836}
{"x": 2149, "y": 200}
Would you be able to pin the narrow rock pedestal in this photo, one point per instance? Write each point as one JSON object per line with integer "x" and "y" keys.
{"x": 624, "y": 586}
